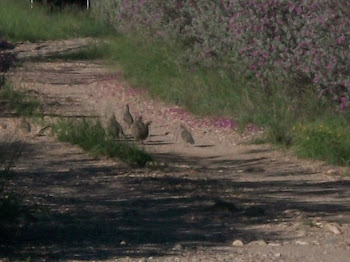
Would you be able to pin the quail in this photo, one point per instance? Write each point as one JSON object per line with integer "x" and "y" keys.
{"x": 44, "y": 131}
{"x": 115, "y": 130}
{"x": 140, "y": 130}
{"x": 127, "y": 117}
{"x": 186, "y": 135}
{"x": 25, "y": 126}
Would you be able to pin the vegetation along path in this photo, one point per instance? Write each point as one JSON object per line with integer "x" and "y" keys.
{"x": 220, "y": 199}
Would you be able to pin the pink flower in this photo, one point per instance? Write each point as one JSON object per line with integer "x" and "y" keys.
{"x": 340, "y": 40}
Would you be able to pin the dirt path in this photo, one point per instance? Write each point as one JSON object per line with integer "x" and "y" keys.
{"x": 101, "y": 209}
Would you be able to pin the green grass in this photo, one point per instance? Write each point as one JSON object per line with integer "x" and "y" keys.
{"x": 23, "y": 104}
{"x": 327, "y": 139}
{"x": 92, "y": 137}
{"x": 156, "y": 65}
{"x": 19, "y": 22}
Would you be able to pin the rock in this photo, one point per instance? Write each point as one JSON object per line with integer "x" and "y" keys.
{"x": 123, "y": 242}
{"x": 334, "y": 228}
{"x": 259, "y": 242}
{"x": 178, "y": 247}
{"x": 237, "y": 243}
{"x": 302, "y": 243}
{"x": 274, "y": 244}
{"x": 332, "y": 172}
{"x": 278, "y": 255}
{"x": 301, "y": 233}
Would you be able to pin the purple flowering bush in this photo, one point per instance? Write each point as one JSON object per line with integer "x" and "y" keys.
{"x": 306, "y": 40}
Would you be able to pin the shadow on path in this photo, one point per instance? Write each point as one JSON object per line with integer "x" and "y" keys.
{"x": 91, "y": 212}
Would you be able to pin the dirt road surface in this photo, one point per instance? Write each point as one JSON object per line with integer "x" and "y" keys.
{"x": 220, "y": 199}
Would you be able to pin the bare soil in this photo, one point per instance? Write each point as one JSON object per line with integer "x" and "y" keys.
{"x": 191, "y": 207}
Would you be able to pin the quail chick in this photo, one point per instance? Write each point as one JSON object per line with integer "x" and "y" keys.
{"x": 115, "y": 130}
{"x": 127, "y": 117}
{"x": 186, "y": 135}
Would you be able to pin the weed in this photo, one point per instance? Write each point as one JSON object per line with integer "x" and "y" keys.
{"x": 324, "y": 139}
{"x": 23, "y": 104}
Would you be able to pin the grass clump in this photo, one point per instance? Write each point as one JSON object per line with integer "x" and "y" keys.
{"x": 20, "y": 22}
{"x": 91, "y": 136}
{"x": 324, "y": 140}
{"x": 23, "y": 104}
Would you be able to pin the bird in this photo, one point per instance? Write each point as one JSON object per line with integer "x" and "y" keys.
{"x": 186, "y": 135}
{"x": 115, "y": 130}
{"x": 140, "y": 130}
{"x": 127, "y": 117}
{"x": 44, "y": 131}
{"x": 25, "y": 126}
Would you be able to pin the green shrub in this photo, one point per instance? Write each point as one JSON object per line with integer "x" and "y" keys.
{"x": 327, "y": 140}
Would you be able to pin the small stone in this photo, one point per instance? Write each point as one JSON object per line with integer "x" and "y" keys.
{"x": 259, "y": 242}
{"x": 302, "y": 243}
{"x": 334, "y": 228}
{"x": 278, "y": 255}
{"x": 122, "y": 242}
{"x": 332, "y": 172}
{"x": 178, "y": 247}
{"x": 301, "y": 233}
{"x": 274, "y": 244}
{"x": 237, "y": 243}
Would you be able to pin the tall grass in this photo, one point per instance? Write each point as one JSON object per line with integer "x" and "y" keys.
{"x": 19, "y": 22}
{"x": 155, "y": 65}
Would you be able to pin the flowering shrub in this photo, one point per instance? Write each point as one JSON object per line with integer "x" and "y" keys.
{"x": 307, "y": 40}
